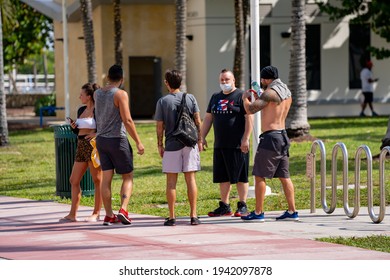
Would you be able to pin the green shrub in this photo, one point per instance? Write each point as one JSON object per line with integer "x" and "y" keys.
{"x": 49, "y": 100}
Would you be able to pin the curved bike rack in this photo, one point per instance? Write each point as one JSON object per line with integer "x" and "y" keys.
{"x": 311, "y": 173}
{"x": 347, "y": 210}
{"x": 382, "y": 195}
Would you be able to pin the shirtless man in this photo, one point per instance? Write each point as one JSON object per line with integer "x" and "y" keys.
{"x": 271, "y": 160}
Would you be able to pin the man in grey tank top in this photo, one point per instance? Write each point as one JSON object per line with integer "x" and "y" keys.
{"x": 113, "y": 119}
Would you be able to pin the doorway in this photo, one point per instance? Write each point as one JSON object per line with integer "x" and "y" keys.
{"x": 145, "y": 85}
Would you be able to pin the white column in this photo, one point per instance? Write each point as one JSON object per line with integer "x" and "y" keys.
{"x": 66, "y": 66}
{"x": 255, "y": 73}
{"x": 255, "y": 63}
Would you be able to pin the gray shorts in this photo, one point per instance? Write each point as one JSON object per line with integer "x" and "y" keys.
{"x": 115, "y": 153}
{"x": 184, "y": 160}
{"x": 271, "y": 160}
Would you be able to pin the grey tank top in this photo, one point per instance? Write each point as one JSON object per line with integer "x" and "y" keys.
{"x": 108, "y": 119}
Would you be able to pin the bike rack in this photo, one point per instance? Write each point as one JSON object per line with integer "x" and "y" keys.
{"x": 347, "y": 211}
{"x": 382, "y": 194}
{"x": 311, "y": 173}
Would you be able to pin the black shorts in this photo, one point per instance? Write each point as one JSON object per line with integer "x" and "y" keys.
{"x": 230, "y": 165}
{"x": 368, "y": 96}
{"x": 115, "y": 153}
{"x": 271, "y": 160}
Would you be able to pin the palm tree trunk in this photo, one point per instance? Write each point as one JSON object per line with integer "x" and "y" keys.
{"x": 86, "y": 11}
{"x": 118, "y": 32}
{"x": 181, "y": 51}
{"x": 239, "y": 55}
{"x": 296, "y": 122}
{"x": 4, "y": 140}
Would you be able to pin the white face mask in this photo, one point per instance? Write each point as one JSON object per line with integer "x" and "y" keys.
{"x": 226, "y": 87}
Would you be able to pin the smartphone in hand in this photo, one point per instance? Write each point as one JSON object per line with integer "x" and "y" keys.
{"x": 256, "y": 87}
{"x": 69, "y": 119}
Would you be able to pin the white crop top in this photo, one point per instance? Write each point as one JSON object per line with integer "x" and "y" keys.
{"x": 88, "y": 123}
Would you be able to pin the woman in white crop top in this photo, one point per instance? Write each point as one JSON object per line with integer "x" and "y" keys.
{"x": 86, "y": 123}
{"x": 85, "y": 128}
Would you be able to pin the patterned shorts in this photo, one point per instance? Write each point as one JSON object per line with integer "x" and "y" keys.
{"x": 84, "y": 150}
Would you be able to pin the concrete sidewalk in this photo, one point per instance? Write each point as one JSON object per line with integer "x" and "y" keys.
{"x": 29, "y": 230}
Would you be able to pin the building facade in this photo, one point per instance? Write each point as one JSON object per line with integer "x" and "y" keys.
{"x": 148, "y": 37}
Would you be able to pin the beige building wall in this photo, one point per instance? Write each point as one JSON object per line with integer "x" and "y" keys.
{"x": 77, "y": 70}
{"x": 212, "y": 25}
{"x": 150, "y": 31}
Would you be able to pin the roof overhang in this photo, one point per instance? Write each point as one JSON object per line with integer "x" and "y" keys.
{"x": 53, "y": 8}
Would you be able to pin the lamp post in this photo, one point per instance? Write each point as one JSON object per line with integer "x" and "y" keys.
{"x": 255, "y": 63}
{"x": 255, "y": 73}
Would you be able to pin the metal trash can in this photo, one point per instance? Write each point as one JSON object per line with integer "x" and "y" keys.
{"x": 65, "y": 149}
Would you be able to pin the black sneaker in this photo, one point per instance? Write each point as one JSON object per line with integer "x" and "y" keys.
{"x": 223, "y": 210}
{"x": 170, "y": 222}
{"x": 195, "y": 221}
{"x": 242, "y": 210}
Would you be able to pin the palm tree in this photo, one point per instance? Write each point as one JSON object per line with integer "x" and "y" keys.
{"x": 181, "y": 51}
{"x": 5, "y": 14}
{"x": 118, "y": 32}
{"x": 241, "y": 13}
{"x": 296, "y": 122}
{"x": 86, "y": 11}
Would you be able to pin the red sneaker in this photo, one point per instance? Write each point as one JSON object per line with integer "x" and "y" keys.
{"x": 123, "y": 216}
{"x": 108, "y": 221}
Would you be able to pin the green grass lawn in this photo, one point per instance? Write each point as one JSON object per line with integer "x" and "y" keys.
{"x": 374, "y": 242}
{"x": 27, "y": 169}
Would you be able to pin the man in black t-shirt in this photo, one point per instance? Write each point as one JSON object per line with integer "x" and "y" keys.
{"x": 232, "y": 130}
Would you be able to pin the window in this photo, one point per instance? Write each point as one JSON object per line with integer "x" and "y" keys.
{"x": 265, "y": 46}
{"x": 359, "y": 40}
{"x": 313, "y": 56}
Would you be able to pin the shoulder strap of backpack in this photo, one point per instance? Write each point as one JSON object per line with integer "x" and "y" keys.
{"x": 180, "y": 108}
{"x": 183, "y": 100}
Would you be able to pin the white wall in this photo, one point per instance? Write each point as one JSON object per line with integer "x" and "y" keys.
{"x": 212, "y": 24}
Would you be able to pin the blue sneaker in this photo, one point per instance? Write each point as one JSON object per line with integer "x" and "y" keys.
{"x": 288, "y": 217}
{"x": 253, "y": 217}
